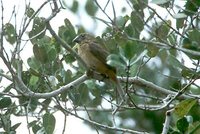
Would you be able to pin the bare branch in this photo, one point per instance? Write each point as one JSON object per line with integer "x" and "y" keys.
{"x": 163, "y": 45}
{"x": 21, "y": 87}
{"x": 101, "y": 125}
{"x": 167, "y": 122}
{"x": 143, "y": 83}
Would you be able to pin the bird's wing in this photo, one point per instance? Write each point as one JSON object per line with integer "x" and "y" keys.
{"x": 100, "y": 53}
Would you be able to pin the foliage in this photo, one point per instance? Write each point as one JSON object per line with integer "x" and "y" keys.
{"x": 151, "y": 52}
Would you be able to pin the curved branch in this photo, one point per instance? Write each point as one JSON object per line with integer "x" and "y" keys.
{"x": 21, "y": 87}
{"x": 160, "y": 44}
{"x": 143, "y": 83}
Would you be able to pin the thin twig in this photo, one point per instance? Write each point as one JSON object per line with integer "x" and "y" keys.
{"x": 101, "y": 125}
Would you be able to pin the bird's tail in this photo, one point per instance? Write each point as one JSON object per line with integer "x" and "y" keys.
{"x": 120, "y": 90}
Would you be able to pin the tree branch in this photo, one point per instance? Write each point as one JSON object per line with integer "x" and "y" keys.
{"x": 143, "y": 83}
{"x": 101, "y": 125}
{"x": 160, "y": 44}
{"x": 21, "y": 87}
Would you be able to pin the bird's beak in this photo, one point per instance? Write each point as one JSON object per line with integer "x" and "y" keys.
{"x": 76, "y": 39}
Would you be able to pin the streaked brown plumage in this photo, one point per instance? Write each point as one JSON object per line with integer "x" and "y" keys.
{"x": 94, "y": 55}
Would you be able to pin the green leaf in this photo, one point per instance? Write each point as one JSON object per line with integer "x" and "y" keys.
{"x": 137, "y": 57}
{"x": 5, "y": 102}
{"x": 80, "y": 96}
{"x": 52, "y": 54}
{"x": 10, "y": 33}
{"x": 136, "y": 21}
{"x": 36, "y": 128}
{"x": 71, "y": 33}
{"x": 38, "y": 29}
{"x": 159, "y": 1}
{"x": 32, "y": 123}
{"x": 133, "y": 51}
{"x": 91, "y": 8}
{"x": 187, "y": 73}
{"x": 69, "y": 58}
{"x": 40, "y": 53}
{"x": 192, "y": 43}
{"x": 184, "y": 107}
{"x": 191, "y": 7}
{"x": 8, "y": 88}
{"x": 172, "y": 60}
{"x": 194, "y": 36}
{"x": 195, "y": 128}
{"x": 180, "y": 23}
{"x": 14, "y": 127}
{"x": 67, "y": 32}
{"x": 163, "y": 30}
{"x": 130, "y": 49}
{"x": 74, "y": 7}
{"x": 121, "y": 21}
{"x": 49, "y": 123}
{"x": 182, "y": 125}
{"x": 116, "y": 61}
{"x": 152, "y": 50}
{"x": 33, "y": 80}
{"x": 29, "y": 11}
{"x": 130, "y": 31}
{"x": 5, "y": 120}
{"x": 33, "y": 63}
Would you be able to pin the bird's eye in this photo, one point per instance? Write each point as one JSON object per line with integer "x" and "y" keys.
{"x": 83, "y": 35}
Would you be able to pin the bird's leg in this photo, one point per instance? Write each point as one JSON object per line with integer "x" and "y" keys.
{"x": 90, "y": 73}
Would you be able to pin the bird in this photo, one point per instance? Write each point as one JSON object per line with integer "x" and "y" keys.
{"x": 94, "y": 55}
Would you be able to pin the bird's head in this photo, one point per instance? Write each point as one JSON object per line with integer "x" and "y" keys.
{"x": 83, "y": 38}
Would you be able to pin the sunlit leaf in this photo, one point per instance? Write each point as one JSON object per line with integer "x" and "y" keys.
{"x": 152, "y": 50}
{"x": 184, "y": 107}
{"x": 33, "y": 80}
